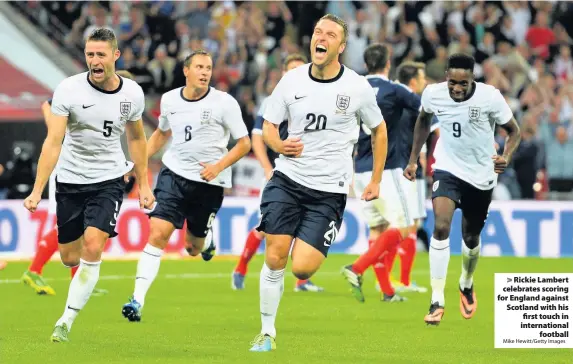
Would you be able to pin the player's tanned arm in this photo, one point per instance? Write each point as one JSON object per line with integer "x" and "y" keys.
{"x": 48, "y": 158}
{"x": 511, "y": 144}
{"x": 137, "y": 145}
{"x": 290, "y": 147}
{"x": 421, "y": 133}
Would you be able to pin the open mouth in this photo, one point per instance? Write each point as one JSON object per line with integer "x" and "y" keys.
{"x": 97, "y": 71}
{"x": 203, "y": 80}
{"x": 320, "y": 49}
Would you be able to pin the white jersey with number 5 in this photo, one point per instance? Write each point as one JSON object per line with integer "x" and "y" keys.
{"x": 201, "y": 130}
{"x": 92, "y": 151}
{"x": 325, "y": 114}
{"x": 466, "y": 144}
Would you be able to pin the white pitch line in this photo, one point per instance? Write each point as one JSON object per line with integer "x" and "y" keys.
{"x": 178, "y": 276}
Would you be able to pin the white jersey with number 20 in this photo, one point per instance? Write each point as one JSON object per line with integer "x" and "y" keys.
{"x": 325, "y": 114}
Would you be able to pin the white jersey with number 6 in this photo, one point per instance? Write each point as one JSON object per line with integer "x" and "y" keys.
{"x": 201, "y": 130}
{"x": 325, "y": 114}
{"x": 92, "y": 151}
{"x": 466, "y": 144}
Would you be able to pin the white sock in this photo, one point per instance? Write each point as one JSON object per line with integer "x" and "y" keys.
{"x": 147, "y": 269}
{"x": 469, "y": 263}
{"x": 271, "y": 290}
{"x": 439, "y": 259}
{"x": 81, "y": 288}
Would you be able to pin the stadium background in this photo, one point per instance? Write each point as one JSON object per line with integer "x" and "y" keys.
{"x": 523, "y": 48}
{"x": 191, "y": 313}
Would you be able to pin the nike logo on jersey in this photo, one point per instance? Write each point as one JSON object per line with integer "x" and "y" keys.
{"x": 440, "y": 111}
{"x": 171, "y": 113}
{"x": 298, "y": 97}
{"x": 85, "y": 107}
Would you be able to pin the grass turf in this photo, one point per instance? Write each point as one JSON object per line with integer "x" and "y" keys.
{"x": 192, "y": 315}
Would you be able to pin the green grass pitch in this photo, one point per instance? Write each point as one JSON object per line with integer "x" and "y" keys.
{"x": 193, "y": 316}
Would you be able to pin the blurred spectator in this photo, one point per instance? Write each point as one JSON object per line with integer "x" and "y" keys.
{"x": 162, "y": 67}
{"x": 559, "y": 149}
{"x": 524, "y": 162}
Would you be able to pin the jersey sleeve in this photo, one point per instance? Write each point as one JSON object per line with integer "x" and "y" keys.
{"x": 427, "y": 100}
{"x": 408, "y": 99}
{"x": 61, "y": 103}
{"x": 163, "y": 120}
{"x": 276, "y": 104}
{"x": 233, "y": 119}
{"x": 500, "y": 111}
{"x": 369, "y": 111}
{"x": 435, "y": 124}
{"x": 138, "y": 105}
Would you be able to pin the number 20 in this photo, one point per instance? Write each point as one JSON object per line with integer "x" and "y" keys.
{"x": 457, "y": 129}
{"x": 320, "y": 121}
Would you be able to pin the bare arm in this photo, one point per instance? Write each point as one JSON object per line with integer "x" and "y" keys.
{"x": 272, "y": 137}
{"x": 46, "y": 111}
{"x": 260, "y": 150}
{"x": 379, "y": 150}
{"x": 50, "y": 151}
{"x": 421, "y": 133}
{"x": 513, "y": 139}
{"x": 137, "y": 145}
{"x": 158, "y": 139}
{"x": 240, "y": 149}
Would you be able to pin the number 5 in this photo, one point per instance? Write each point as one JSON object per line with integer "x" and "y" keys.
{"x": 107, "y": 124}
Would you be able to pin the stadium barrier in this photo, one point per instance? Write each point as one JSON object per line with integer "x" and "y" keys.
{"x": 513, "y": 228}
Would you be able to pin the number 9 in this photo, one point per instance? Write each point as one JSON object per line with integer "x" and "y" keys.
{"x": 457, "y": 129}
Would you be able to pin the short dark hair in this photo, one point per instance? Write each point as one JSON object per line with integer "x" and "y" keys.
{"x": 461, "y": 61}
{"x": 338, "y": 20}
{"x": 295, "y": 57}
{"x": 103, "y": 35}
{"x": 376, "y": 57}
{"x": 198, "y": 52}
{"x": 409, "y": 70}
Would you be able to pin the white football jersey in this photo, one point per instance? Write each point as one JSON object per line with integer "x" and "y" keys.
{"x": 201, "y": 130}
{"x": 92, "y": 151}
{"x": 466, "y": 144}
{"x": 326, "y": 116}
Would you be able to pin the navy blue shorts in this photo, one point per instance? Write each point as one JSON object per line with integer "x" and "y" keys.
{"x": 473, "y": 202}
{"x": 180, "y": 200}
{"x": 289, "y": 208}
{"x": 82, "y": 205}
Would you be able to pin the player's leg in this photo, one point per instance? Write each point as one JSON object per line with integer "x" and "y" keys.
{"x": 164, "y": 219}
{"x": 47, "y": 246}
{"x": 252, "y": 244}
{"x": 148, "y": 264}
{"x": 475, "y": 205}
{"x": 407, "y": 248}
{"x": 388, "y": 210}
{"x": 202, "y": 203}
{"x": 281, "y": 210}
{"x": 3, "y": 264}
{"x": 251, "y": 247}
{"x": 101, "y": 207}
{"x": 33, "y": 276}
{"x": 445, "y": 197}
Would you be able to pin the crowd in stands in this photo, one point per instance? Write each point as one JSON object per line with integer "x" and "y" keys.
{"x": 522, "y": 48}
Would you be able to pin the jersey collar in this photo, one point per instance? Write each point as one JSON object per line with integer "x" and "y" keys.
{"x": 199, "y": 99}
{"x": 326, "y": 81}
{"x": 106, "y": 91}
